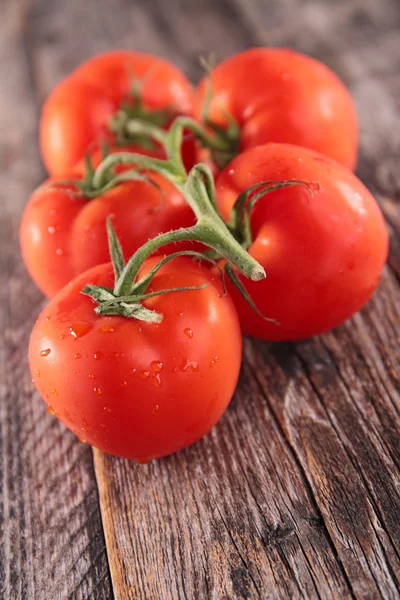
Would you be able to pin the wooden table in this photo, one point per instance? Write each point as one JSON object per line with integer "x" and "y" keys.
{"x": 295, "y": 493}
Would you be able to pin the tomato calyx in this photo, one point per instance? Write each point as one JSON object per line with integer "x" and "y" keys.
{"x": 126, "y": 298}
{"x": 127, "y": 123}
{"x": 88, "y": 190}
{"x": 240, "y": 219}
{"x": 135, "y": 123}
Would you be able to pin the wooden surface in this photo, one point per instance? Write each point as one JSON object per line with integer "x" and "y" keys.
{"x": 296, "y": 492}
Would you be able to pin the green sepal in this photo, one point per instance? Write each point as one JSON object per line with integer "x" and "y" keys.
{"x": 143, "y": 283}
{"x": 240, "y": 221}
{"x": 231, "y": 273}
{"x": 133, "y": 109}
{"x": 98, "y": 293}
{"x": 130, "y": 311}
{"x": 117, "y": 257}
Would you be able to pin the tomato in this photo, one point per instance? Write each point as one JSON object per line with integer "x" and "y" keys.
{"x": 323, "y": 253}
{"x": 278, "y": 95}
{"x": 136, "y": 389}
{"x": 79, "y": 110}
{"x": 62, "y": 235}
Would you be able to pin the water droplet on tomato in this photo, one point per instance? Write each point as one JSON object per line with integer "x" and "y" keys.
{"x": 155, "y": 410}
{"x": 157, "y": 381}
{"x": 54, "y": 392}
{"x": 38, "y": 373}
{"x": 84, "y": 422}
{"x": 144, "y": 374}
{"x": 157, "y": 366}
{"x": 98, "y": 391}
{"x": 62, "y": 336}
{"x": 107, "y": 329}
{"x": 60, "y": 252}
{"x": 189, "y": 332}
{"x": 32, "y": 380}
{"x": 124, "y": 383}
{"x": 133, "y": 371}
{"x": 45, "y": 352}
{"x": 51, "y": 410}
{"x": 188, "y": 364}
{"x": 80, "y": 328}
{"x": 180, "y": 314}
{"x": 98, "y": 355}
{"x": 77, "y": 355}
{"x": 213, "y": 361}
{"x": 48, "y": 318}
{"x": 91, "y": 376}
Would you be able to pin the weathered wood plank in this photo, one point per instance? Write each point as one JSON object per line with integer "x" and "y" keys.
{"x": 337, "y": 400}
{"x": 220, "y": 520}
{"x": 51, "y": 539}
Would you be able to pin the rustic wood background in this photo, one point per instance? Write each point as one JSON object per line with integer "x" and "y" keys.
{"x": 296, "y": 493}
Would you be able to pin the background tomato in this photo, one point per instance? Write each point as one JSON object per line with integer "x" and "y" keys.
{"x": 62, "y": 235}
{"x": 79, "y": 110}
{"x": 323, "y": 253}
{"x": 278, "y": 95}
{"x": 135, "y": 389}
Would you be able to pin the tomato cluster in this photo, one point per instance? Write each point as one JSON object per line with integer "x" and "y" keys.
{"x": 225, "y": 209}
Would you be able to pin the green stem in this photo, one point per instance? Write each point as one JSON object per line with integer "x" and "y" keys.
{"x": 125, "y": 281}
{"x": 213, "y": 142}
{"x": 135, "y": 127}
{"x": 210, "y": 229}
{"x": 141, "y": 162}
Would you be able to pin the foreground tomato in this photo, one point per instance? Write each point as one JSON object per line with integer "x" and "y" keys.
{"x": 135, "y": 389}
{"x": 323, "y": 253}
{"x": 80, "y": 109}
{"x": 62, "y": 235}
{"x": 278, "y": 95}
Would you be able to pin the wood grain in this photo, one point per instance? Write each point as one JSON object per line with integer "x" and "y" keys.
{"x": 52, "y": 543}
{"x": 296, "y": 492}
{"x": 340, "y": 416}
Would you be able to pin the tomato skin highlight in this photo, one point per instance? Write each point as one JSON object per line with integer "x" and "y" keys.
{"x": 62, "y": 236}
{"x": 80, "y": 108}
{"x": 323, "y": 253}
{"x": 139, "y": 390}
{"x": 278, "y": 95}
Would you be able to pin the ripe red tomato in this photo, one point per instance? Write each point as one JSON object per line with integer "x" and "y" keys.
{"x": 323, "y": 253}
{"x": 136, "y": 389}
{"x": 278, "y": 95}
{"x": 79, "y": 110}
{"x": 62, "y": 236}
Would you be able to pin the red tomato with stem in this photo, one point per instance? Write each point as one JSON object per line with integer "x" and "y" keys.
{"x": 62, "y": 235}
{"x": 79, "y": 111}
{"x": 278, "y": 95}
{"x": 136, "y": 389}
{"x": 323, "y": 253}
